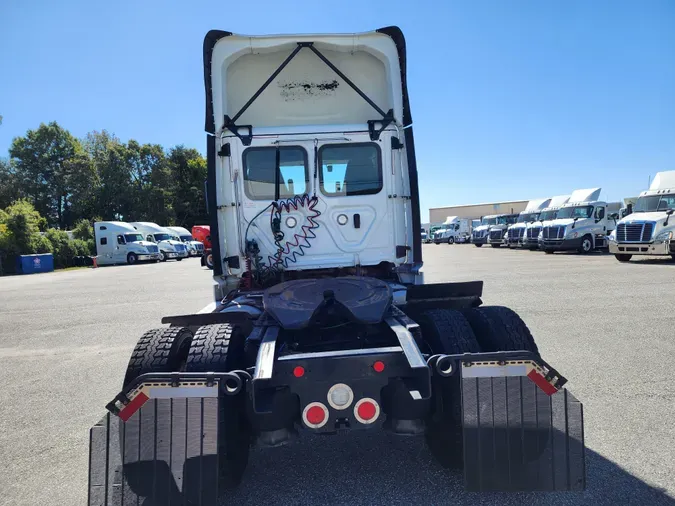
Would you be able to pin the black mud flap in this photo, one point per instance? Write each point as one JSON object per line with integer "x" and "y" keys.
{"x": 520, "y": 433}
{"x": 165, "y": 453}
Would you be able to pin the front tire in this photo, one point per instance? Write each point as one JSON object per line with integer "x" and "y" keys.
{"x": 132, "y": 258}
{"x": 586, "y": 245}
{"x": 162, "y": 256}
{"x": 179, "y": 259}
{"x": 451, "y": 240}
{"x": 448, "y": 332}
{"x": 477, "y": 245}
{"x": 209, "y": 261}
{"x": 220, "y": 348}
{"x": 495, "y": 245}
{"x": 548, "y": 251}
{"x": 622, "y": 257}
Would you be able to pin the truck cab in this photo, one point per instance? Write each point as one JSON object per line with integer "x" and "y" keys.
{"x": 649, "y": 229}
{"x": 582, "y": 224}
{"x": 515, "y": 235}
{"x": 532, "y": 240}
{"x": 119, "y": 243}
{"x": 497, "y": 235}
{"x": 455, "y": 230}
{"x": 195, "y": 248}
{"x": 479, "y": 236}
{"x": 169, "y": 247}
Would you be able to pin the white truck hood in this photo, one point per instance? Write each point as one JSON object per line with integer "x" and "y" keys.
{"x": 482, "y": 227}
{"x": 144, "y": 243}
{"x": 562, "y": 222}
{"x": 639, "y": 217}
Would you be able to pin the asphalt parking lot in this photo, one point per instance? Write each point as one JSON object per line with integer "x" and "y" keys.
{"x": 65, "y": 339}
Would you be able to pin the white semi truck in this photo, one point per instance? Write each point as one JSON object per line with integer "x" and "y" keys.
{"x": 531, "y": 238}
{"x": 515, "y": 234}
{"x": 649, "y": 229}
{"x": 479, "y": 236}
{"x": 455, "y": 229}
{"x": 195, "y": 248}
{"x": 120, "y": 243}
{"x": 321, "y": 321}
{"x": 582, "y": 224}
{"x": 169, "y": 248}
{"x": 497, "y": 235}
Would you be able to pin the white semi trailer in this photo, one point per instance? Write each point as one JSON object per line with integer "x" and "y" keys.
{"x": 649, "y": 229}
{"x": 120, "y": 243}
{"x": 455, "y": 229}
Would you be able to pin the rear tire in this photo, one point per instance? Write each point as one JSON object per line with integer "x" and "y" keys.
{"x": 159, "y": 350}
{"x": 623, "y": 257}
{"x": 448, "y": 332}
{"x": 220, "y": 348}
{"x": 499, "y": 328}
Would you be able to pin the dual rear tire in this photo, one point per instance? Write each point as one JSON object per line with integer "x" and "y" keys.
{"x": 448, "y": 332}
{"x": 213, "y": 348}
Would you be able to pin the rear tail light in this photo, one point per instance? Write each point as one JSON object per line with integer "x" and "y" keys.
{"x": 366, "y": 410}
{"x": 315, "y": 415}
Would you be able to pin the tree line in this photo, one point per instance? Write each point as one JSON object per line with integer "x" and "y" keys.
{"x": 53, "y": 182}
{"x": 67, "y": 179}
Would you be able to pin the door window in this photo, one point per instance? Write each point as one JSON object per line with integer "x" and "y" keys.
{"x": 120, "y": 239}
{"x": 150, "y": 238}
{"x": 599, "y": 213}
{"x": 104, "y": 241}
{"x": 350, "y": 169}
{"x": 260, "y": 168}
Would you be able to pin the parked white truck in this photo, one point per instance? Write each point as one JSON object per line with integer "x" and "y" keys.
{"x": 531, "y": 239}
{"x": 649, "y": 229}
{"x": 515, "y": 234}
{"x": 169, "y": 248}
{"x": 119, "y": 243}
{"x": 582, "y": 224}
{"x": 454, "y": 229}
{"x": 497, "y": 235}
{"x": 479, "y": 236}
{"x": 195, "y": 248}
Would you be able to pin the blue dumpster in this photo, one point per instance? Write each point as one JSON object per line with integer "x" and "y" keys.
{"x": 32, "y": 264}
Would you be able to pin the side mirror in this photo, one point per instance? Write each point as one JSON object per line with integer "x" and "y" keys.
{"x": 669, "y": 212}
{"x": 614, "y": 216}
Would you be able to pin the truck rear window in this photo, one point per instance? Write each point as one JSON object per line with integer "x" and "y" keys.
{"x": 350, "y": 169}
{"x": 259, "y": 172}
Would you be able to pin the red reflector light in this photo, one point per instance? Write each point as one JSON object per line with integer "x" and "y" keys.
{"x": 378, "y": 366}
{"x": 315, "y": 415}
{"x": 366, "y": 410}
{"x": 299, "y": 371}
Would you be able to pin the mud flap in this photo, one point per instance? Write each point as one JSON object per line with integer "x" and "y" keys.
{"x": 166, "y": 453}
{"x": 520, "y": 433}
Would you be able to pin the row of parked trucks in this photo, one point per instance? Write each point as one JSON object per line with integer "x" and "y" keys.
{"x": 583, "y": 222}
{"x": 119, "y": 242}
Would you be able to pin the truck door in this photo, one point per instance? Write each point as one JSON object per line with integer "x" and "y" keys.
{"x": 600, "y": 220}
{"x": 120, "y": 251}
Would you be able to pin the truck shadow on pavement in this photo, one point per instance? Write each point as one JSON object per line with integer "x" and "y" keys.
{"x": 384, "y": 469}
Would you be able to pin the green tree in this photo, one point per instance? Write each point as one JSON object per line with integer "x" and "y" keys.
{"x": 43, "y": 160}
{"x": 109, "y": 157}
{"x": 188, "y": 169}
{"x": 9, "y": 183}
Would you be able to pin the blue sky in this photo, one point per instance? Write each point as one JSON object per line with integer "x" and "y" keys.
{"x": 510, "y": 99}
